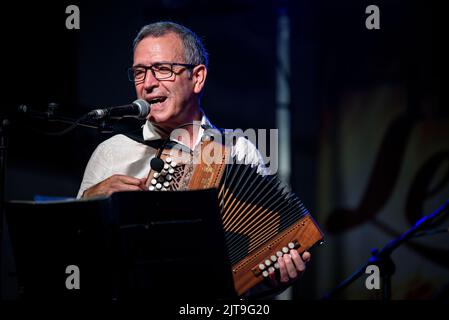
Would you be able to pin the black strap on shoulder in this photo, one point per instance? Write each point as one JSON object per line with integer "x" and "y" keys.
{"x": 136, "y": 135}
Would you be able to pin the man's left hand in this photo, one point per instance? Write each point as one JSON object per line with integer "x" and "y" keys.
{"x": 291, "y": 266}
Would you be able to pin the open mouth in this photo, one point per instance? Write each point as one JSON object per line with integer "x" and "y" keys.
{"x": 157, "y": 101}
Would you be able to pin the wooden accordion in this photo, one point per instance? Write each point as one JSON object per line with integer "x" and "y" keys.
{"x": 262, "y": 219}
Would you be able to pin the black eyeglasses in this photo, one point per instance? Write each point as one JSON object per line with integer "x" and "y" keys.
{"x": 160, "y": 70}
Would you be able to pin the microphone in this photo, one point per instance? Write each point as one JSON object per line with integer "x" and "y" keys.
{"x": 138, "y": 109}
{"x": 157, "y": 164}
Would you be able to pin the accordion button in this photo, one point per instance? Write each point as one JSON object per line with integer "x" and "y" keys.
{"x": 279, "y": 254}
{"x": 273, "y": 258}
{"x": 159, "y": 186}
{"x": 261, "y": 266}
{"x": 163, "y": 173}
{"x": 285, "y": 250}
{"x": 291, "y": 245}
{"x": 171, "y": 170}
{"x": 160, "y": 179}
{"x": 173, "y": 164}
{"x": 276, "y": 265}
{"x": 168, "y": 160}
{"x": 168, "y": 177}
{"x": 270, "y": 269}
{"x": 151, "y": 188}
{"x": 153, "y": 182}
{"x": 166, "y": 184}
{"x": 265, "y": 274}
{"x": 156, "y": 174}
{"x": 166, "y": 166}
{"x": 267, "y": 263}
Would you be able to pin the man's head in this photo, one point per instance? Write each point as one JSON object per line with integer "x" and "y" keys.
{"x": 177, "y": 76}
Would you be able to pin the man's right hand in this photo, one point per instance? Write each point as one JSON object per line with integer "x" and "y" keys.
{"x": 117, "y": 182}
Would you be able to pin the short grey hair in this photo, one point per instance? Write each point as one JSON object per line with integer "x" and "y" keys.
{"x": 194, "y": 51}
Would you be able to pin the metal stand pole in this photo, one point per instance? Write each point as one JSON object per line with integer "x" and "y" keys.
{"x": 4, "y": 123}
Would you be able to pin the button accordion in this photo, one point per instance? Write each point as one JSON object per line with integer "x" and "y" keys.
{"x": 262, "y": 219}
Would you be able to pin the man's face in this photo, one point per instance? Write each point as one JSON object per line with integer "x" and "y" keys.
{"x": 177, "y": 95}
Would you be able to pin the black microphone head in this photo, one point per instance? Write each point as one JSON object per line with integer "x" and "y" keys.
{"x": 157, "y": 164}
{"x": 144, "y": 108}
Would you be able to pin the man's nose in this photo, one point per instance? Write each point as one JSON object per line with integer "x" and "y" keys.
{"x": 150, "y": 81}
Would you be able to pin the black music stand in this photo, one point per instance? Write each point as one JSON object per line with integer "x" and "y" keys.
{"x": 132, "y": 245}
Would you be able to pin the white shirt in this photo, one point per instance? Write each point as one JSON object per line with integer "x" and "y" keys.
{"x": 122, "y": 155}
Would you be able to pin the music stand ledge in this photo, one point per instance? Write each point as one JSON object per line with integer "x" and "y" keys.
{"x": 132, "y": 245}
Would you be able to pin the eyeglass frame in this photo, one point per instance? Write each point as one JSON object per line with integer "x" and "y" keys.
{"x": 150, "y": 67}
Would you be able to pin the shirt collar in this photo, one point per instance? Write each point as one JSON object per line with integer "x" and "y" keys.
{"x": 152, "y": 131}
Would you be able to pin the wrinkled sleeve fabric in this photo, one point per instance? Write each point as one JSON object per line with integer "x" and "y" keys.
{"x": 98, "y": 168}
{"x": 246, "y": 152}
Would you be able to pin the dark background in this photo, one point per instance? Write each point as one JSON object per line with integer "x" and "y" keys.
{"x": 331, "y": 51}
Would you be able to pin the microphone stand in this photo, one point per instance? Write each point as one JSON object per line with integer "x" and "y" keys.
{"x": 84, "y": 121}
{"x": 4, "y": 124}
{"x": 382, "y": 258}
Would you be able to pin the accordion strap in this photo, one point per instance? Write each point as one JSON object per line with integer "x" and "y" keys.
{"x": 190, "y": 170}
{"x": 209, "y": 171}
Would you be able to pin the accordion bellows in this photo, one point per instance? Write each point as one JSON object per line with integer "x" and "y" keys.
{"x": 262, "y": 219}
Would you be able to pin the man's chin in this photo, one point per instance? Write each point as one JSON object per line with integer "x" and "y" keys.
{"x": 159, "y": 120}
{"x": 158, "y": 117}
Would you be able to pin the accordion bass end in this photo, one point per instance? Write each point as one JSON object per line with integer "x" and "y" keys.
{"x": 301, "y": 236}
{"x": 262, "y": 219}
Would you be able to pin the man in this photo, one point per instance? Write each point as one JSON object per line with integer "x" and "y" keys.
{"x": 169, "y": 72}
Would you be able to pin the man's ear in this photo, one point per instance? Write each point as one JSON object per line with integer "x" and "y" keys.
{"x": 199, "y": 74}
